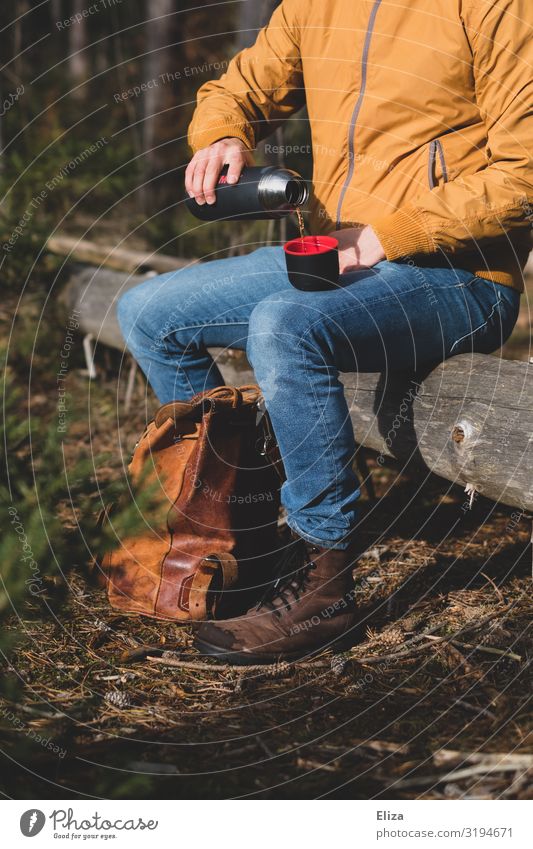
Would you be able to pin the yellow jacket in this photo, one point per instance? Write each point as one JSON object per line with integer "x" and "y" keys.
{"x": 421, "y": 115}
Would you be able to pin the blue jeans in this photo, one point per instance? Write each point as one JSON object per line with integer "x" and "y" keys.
{"x": 393, "y": 316}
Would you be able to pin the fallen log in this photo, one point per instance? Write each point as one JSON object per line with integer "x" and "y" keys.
{"x": 93, "y": 294}
{"x": 469, "y": 420}
{"x": 453, "y": 757}
{"x": 119, "y": 258}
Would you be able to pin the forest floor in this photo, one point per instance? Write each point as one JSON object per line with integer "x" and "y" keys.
{"x": 433, "y": 703}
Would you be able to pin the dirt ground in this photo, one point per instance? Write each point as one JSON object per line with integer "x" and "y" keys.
{"x": 434, "y": 702}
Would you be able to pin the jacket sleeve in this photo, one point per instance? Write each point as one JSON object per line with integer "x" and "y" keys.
{"x": 262, "y": 86}
{"x": 499, "y": 198}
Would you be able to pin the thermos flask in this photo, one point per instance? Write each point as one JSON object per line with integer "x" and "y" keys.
{"x": 263, "y": 191}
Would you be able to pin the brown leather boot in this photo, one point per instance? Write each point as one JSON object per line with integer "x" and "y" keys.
{"x": 309, "y": 608}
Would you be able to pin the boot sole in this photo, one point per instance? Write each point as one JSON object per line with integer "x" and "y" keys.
{"x": 235, "y": 658}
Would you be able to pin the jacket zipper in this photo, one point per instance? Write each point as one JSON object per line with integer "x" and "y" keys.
{"x": 357, "y": 108}
{"x": 436, "y": 148}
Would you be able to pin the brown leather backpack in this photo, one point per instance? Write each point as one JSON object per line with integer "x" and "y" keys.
{"x": 219, "y": 500}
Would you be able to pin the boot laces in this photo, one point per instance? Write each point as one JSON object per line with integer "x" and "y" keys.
{"x": 291, "y": 580}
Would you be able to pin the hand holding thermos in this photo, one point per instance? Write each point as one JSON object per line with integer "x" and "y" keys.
{"x": 223, "y": 185}
{"x": 203, "y": 171}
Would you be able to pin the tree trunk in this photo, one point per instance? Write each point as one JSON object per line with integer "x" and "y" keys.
{"x": 55, "y": 12}
{"x": 18, "y": 17}
{"x": 253, "y": 15}
{"x": 78, "y": 61}
{"x": 159, "y": 124}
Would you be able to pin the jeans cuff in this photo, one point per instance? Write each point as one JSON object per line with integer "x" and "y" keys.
{"x": 341, "y": 544}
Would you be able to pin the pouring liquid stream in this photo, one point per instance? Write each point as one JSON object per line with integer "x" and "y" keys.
{"x": 301, "y": 226}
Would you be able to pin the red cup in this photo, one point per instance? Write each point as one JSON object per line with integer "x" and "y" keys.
{"x": 313, "y": 263}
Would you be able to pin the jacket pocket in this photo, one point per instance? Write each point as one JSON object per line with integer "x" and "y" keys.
{"x": 436, "y": 158}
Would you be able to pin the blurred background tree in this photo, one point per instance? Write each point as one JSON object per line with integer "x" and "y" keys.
{"x": 123, "y": 73}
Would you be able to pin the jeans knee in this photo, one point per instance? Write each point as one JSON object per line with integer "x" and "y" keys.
{"x": 275, "y": 327}
{"x": 144, "y": 318}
